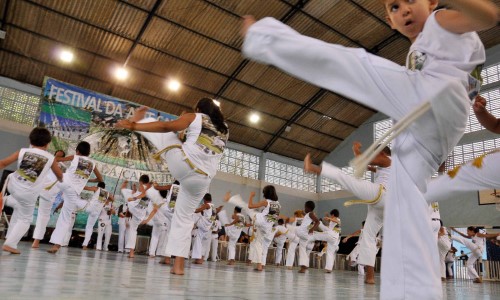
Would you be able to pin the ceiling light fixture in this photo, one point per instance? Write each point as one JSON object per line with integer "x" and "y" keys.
{"x": 66, "y": 56}
{"x": 216, "y": 102}
{"x": 121, "y": 73}
{"x": 174, "y": 85}
{"x": 254, "y": 118}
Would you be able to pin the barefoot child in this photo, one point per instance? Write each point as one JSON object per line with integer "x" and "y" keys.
{"x": 26, "y": 183}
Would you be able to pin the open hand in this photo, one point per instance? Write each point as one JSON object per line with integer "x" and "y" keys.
{"x": 247, "y": 22}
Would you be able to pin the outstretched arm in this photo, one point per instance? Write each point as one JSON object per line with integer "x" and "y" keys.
{"x": 315, "y": 219}
{"x": 179, "y": 124}
{"x": 488, "y": 235}
{"x": 9, "y": 159}
{"x": 468, "y": 15}
{"x": 465, "y": 236}
{"x": 356, "y": 233}
{"x": 255, "y": 205}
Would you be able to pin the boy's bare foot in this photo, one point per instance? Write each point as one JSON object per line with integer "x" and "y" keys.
{"x": 131, "y": 254}
{"x": 198, "y": 261}
{"x": 139, "y": 114}
{"x": 178, "y": 268}
{"x": 54, "y": 249}
{"x": 227, "y": 196}
{"x": 370, "y": 275}
{"x": 10, "y": 249}
{"x": 231, "y": 262}
{"x": 328, "y": 271}
{"x": 152, "y": 256}
{"x": 289, "y": 268}
{"x": 478, "y": 280}
{"x": 303, "y": 269}
{"x": 309, "y": 167}
{"x": 85, "y": 248}
{"x": 36, "y": 244}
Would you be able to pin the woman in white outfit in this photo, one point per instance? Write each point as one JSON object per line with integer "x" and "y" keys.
{"x": 193, "y": 162}
{"x": 474, "y": 240}
{"x": 264, "y": 222}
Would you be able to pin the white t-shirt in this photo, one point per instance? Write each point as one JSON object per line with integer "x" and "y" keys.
{"x": 78, "y": 173}
{"x": 98, "y": 200}
{"x": 33, "y": 165}
{"x": 204, "y": 145}
{"x": 105, "y": 213}
{"x": 207, "y": 217}
{"x": 439, "y": 52}
{"x": 382, "y": 176}
{"x": 282, "y": 230}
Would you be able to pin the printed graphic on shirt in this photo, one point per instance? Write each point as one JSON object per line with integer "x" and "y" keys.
{"x": 241, "y": 221}
{"x": 173, "y": 196}
{"x": 143, "y": 204}
{"x": 416, "y": 60}
{"x": 274, "y": 211}
{"x": 435, "y": 206}
{"x": 84, "y": 168}
{"x": 103, "y": 196}
{"x": 210, "y": 140}
{"x": 31, "y": 166}
{"x": 475, "y": 82}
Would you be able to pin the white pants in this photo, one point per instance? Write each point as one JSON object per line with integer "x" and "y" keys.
{"x": 364, "y": 190}
{"x": 23, "y": 202}
{"x": 212, "y": 245}
{"x": 159, "y": 238}
{"x": 67, "y": 236}
{"x": 104, "y": 228}
{"x": 72, "y": 203}
{"x": 122, "y": 234}
{"x": 306, "y": 243}
{"x": 410, "y": 259}
{"x": 279, "y": 252}
{"x": 132, "y": 233}
{"x": 233, "y": 233}
{"x": 290, "y": 252}
{"x": 193, "y": 187}
{"x": 89, "y": 228}
{"x": 468, "y": 178}
{"x": 263, "y": 238}
{"x": 444, "y": 245}
{"x": 155, "y": 237}
{"x": 43, "y": 217}
{"x": 200, "y": 244}
{"x": 476, "y": 253}
{"x": 448, "y": 266}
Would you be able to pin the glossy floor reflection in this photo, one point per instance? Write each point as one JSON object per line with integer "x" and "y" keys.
{"x": 77, "y": 274}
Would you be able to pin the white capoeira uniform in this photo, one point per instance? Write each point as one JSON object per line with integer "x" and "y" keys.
{"x": 442, "y": 81}
{"x": 167, "y": 210}
{"x": 353, "y": 257}
{"x": 158, "y": 245}
{"x": 213, "y": 243}
{"x": 476, "y": 175}
{"x": 280, "y": 243}
{"x": 104, "y": 227}
{"x": 264, "y": 234}
{"x": 194, "y": 164}
{"x": 45, "y": 202}
{"x": 374, "y": 195}
{"x": 293, "y": 241}
{"x": 203, "y": 234}
{"x": 67, "y": 235}
{"x": 444, "y": 246}
{"x": 122, "y": 227}
{"x": 333, "y": 239}
{"x": 305, "y": 240}
{"x": 138, "y": 210}
{"x": 98, "y": 200}
{"x": 476, "y": 246}
{"x": 24, "y": 186}
{"x": 75, "y": 178}
{"x": 234, "y": 232}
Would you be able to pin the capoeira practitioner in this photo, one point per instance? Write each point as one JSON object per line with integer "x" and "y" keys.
{"x": 474, "y": 240}
{"x": 122, "y": 227}
{"x": 204, "y": 223}
{"x": 168, "y": 211}
{"x": 194, "y": 163}
{"x": 374, "y": 193}
{"x": 233, "y": 231}
{"x": 430, "y": 83}
{"x": 26, "y": 183}
{"x": 333, "y": 238}
{"x": 263, "y": 224}
{"x": 100, "y": 198}
{"x": 45, "y": 202}
{"x": 137, "y": 206}
{"x": 444, "y": 246}
{"x": 353, "y": 257}
{"x": 158, "y": 242}
{"x": 305, "y": 233}
{"x": 104, "y": 226}
{"x": 293, "y": 239}
{"x": 213, "y": 243}
{"x": 75, "y": 180}
{"x": 279, "y": 239}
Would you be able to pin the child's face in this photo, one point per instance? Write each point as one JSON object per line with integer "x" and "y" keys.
{"x": 409, "y": 16}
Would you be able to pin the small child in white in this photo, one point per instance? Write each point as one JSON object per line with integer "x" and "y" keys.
{"x": 26, "y": 183}
{"x": 279, "y": 239}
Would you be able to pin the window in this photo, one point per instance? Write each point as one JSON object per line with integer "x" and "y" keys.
{"x": 290, "y": 176}
{"x": 18, "y": 106}
{"x": 328, "y": 185}
{"x": 380, "y": 128}
{"x": 239, "y": 163}
{"x": 491, "y": 74}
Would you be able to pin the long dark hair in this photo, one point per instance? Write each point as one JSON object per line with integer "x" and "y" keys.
{"x": 208, "y": 107}
{"x": 270, "y": 193}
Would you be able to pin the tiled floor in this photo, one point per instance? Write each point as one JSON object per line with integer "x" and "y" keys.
{"x": 93, "y": 275}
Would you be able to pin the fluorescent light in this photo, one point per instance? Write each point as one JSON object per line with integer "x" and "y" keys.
{"x": 66, "y": 56}
{"x": 121, "y": 73}
{"x": 174, "y": 85}
{"x": 216, "y": 102}
{"x": 254, "y": 118}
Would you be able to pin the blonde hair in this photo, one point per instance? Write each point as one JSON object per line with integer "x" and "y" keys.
{"x": 299, "y": 213}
